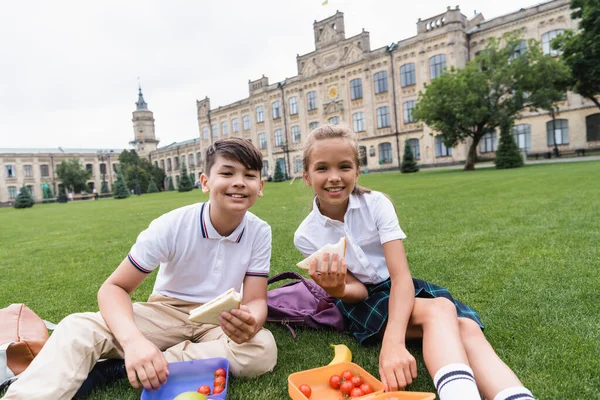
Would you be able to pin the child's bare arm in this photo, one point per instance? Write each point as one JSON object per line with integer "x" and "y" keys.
{"x": 336, "y": 279}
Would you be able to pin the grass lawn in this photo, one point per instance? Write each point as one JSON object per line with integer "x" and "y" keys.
{"x": 520, "y": 246}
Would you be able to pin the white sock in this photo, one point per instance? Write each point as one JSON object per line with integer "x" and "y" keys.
{"x": 514, "y": 393}
{"x": 456, "y": 382}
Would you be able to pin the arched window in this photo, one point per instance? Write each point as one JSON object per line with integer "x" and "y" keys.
{"x": 488, "y": 142}
{"x": 440, "y": 148}
{"x": 437, "y": 65}
{"x": 260, "y": 114}
{"x": 383, "y": 117}
{"x": 358, "y": 121}
{"x": 205, "y": 134}
{"x": 547, "y": 42}
{"x": 356, "y": 89}
{"x": 414, "y": 147}
{"x": 592, "y": 125}
{"x": 385, "y": 153}
{"x": 246, "y": 121}
{"x": 278, "y": 138}
{"x": 408, "y": 75}
{"x": 560, "y": 134}
{"x": 380, "y": 81}
{"x": 522, "y": 135}
{"x": 276, "y": 110}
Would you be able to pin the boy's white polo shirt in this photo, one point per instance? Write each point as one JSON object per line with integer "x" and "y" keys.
{"x": 196, "y": 263}
{"x": 369, "y": 222}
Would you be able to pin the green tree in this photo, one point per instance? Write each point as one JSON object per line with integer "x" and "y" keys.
{"x": 104, "y": 188}
{"x": 409, "y": 164}
{"x": 152, "y": 188}
{"x": 278, "y": 174}
{"x": 171, "y": 187}
{"x": 73, "y": 175}
{"x": 185, "y": 184}
{"x": 192, "y": 179}
{"x": 471, "y": 102}
{"x": 120, "y": 190}
{"x": 144, "y": 170}
{"x": 508, "y": 154}
{"x": 24, "y": 199}
{"x": 581, "y": 50}
{"x": 62, "y": 195}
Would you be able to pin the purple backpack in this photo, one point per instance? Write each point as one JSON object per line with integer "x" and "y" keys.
{"x": 302, "y": 303}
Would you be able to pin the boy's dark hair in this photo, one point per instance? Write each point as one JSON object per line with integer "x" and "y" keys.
{"x": 238, "y": 149}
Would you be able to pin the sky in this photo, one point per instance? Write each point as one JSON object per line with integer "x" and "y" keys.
{"x": 69, "y": 69}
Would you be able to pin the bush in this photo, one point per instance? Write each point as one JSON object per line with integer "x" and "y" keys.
{"x": 120, "y": 190}
{"x": 24, "y": 199}
{"x": 152, "y": 188}
{"x": 508, "y": 154}
{"x": 185, "y": 184}
{"x": 171, "y": 187}
{"x": 278, "y": 175}
{"x": 409, "y": 164}
{"x": 104, "y": 188}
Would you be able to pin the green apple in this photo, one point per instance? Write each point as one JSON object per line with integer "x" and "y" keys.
{"x": 190, "y": 396}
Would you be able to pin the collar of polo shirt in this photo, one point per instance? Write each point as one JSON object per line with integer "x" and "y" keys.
{"x": 209, "y": 232}
{"x": 353, "y": 203}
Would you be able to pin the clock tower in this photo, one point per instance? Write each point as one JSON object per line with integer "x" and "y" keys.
{"x": 144, "y": 141}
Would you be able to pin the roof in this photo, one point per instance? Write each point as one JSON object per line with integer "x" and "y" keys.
{"x": 57, "y": 150}
{"x": 179, "y": 144}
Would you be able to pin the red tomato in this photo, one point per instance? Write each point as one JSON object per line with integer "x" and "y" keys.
{"x": 218, "y": 389}
{"x": 356, "y": 381}
{"x": 220, "y": 381}
{"x": 204, "y": 389}
{"x": 347, "y": 375}
{"x": 346, "y": 387}
{"x": 335, "y": 381}
{"x": 366, "y": 389}
{"x": 356, "y": 392}
{"x": 306, "y": 390}
{"x": 220, "y": 372}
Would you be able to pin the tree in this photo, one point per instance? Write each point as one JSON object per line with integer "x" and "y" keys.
{"x": 508, "y": 154}
{"x": 471, "y": 102}
{"x": 185, "y": 184}
{"x": 104, "y": 188}
{"x": 152, "y": 188}
{"x": 24, "y": 199}
{"x": 278, "y": 175}
{"x": 73, "y": 175}
{"x": 145, "y": 170}
{"x": 171, "y": 187}
{"x": 62, "y": 195}
{"x": 192, "y": 179}
{"x": 581, "y": 50}
{"x": 409, "y": 164}
{"x": 120, "y": 190}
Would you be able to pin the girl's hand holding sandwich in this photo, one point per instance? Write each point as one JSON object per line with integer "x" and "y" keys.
{"x": 239, "y": 324}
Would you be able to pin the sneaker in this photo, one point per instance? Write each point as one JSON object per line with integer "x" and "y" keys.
{"x": 103, "y": 373}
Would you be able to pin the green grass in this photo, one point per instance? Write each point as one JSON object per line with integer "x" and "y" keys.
{"x": 520, "y": 246}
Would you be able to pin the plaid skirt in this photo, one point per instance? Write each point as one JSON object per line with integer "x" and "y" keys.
{"x": 366, "y": 319}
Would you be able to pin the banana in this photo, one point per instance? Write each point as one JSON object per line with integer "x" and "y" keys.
{"x": 342, "y": 353}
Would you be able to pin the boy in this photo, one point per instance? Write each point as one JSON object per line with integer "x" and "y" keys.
{"x": 203, "y": 250}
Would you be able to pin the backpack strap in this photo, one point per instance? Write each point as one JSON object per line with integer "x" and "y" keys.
{"x": 285, "y": 275}
{"x": 312, "y": 287}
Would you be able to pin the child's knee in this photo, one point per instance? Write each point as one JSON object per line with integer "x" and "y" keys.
{"x": 261, "y": 355}
{"x": 438, "y": 309}
{"x": 469, "y": 329}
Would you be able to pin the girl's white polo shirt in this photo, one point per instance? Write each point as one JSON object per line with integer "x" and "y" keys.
{"x": 196, "y": 263}
{"x": 369, "y": 222}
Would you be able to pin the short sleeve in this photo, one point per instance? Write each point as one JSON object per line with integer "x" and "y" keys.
{"x": 154, "y": 245}
{"x": 260, "y": 261}
{"x": 303, "y": 245}
{"x": 386, "y": 219}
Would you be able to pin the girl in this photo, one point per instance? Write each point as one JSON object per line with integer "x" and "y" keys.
{"x": 374, "y": 288}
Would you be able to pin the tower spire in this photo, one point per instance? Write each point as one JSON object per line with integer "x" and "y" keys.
{"x": 141, "y": 104}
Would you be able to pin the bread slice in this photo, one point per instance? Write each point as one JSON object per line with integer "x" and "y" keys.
{"x": 208, "y": 313}
{"x": 338, "y": 248}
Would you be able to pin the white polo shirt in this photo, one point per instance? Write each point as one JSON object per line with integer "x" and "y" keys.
{"x": 196, "y": 263}
{"x": 369, "y": 222}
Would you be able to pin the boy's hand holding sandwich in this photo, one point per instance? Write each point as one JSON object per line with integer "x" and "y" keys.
{"x": 239, "y": 324}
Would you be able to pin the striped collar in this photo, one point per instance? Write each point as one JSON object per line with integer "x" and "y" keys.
{"x": 209, "y": 232}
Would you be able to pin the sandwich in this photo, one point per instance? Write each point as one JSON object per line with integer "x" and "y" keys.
{"x": 208, "y": 313}
{"x": 338, "y": 248}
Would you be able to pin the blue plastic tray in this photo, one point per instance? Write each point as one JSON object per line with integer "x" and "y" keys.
{"x": 188, "y": 376}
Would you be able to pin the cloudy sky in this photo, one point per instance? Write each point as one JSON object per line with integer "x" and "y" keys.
{"x": 69, "y": 69}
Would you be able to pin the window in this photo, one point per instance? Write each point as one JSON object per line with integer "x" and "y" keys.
{"x": 28, "y": 171}
{"x": 102, "y": 165}
{"x": 407, "y": 108}
{"x": 522, "y": 135}
{"x": 561, "y": 132}
{"x": 547, "y": 42}
{"x": 191, "y": 158}
{"x": 276, "y": 110}
{"x": 176, "y": 162}
{"x": 215, "y": 130}
{"x": 260, "y": 114}
{"x": 30, "y": 189}
{"x": 46, "y": 173}
{"x": 246, "y": 122}
{"x": 313, "y": 125}
{"x": 380, "y": 82}
{"x": 488, "y": 143}
{"x": 296, "y": 134}
{"x": 162, "y": 164}
{"x": 12, "y": 192}
{"x": 10, "y": 171}
{"x": 383, "y": 117}
{"x": 592, "y": 125}
{"x": 199, "y": 157}
{"x": 356, "y": 89}
{"x": 297, "y": 164}
{"x": 362, "y": 156}
{"x": 358, "y": 121}
{"x": 372, "y": 151}
{"x": 520, "y": 49}
{"x": 385, "y": 153}
{"x": 311, "y": 100}
{"x": 278, "y": 138}
{"x": 205, "y": 133}
{"x": 235, "y": 126}
{"x": 169, "y": 166}
{"x": 89, "y": 168}
{"x": 265, "y": 170}
{"x": 334, "y": 120}
{"x": 408, "y": 76}
{"x": 262, "y": 140}
{"x": 293, "y": 105}
{"x": 414, "y": 147}
{"x": 183, "y": 160}
{"x": 225, "y": 128}
{"x": 437, "y": 65}
{"x": 440, "y": 148}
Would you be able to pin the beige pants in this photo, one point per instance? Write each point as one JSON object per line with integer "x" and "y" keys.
{"x": 81, "y": 339}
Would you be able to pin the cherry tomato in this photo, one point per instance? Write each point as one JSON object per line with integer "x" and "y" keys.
{"x": 366, "y": 389}
{"x": 219, "y": 381}
{"x": 356, "y": 381}
{"x": 335, "y": 381}
{"x": 220, "y": 372}
{"x": 347, "y": 375}
{"x": 356, "y": 392}
{"x": 346, "y": 387}
{"x": 204, "y": 389}
{"x": 218, "y": 389}
{"x": 306, "y": 390}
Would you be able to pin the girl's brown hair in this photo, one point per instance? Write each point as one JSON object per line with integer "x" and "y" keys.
{"x": 324, "y": 132}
